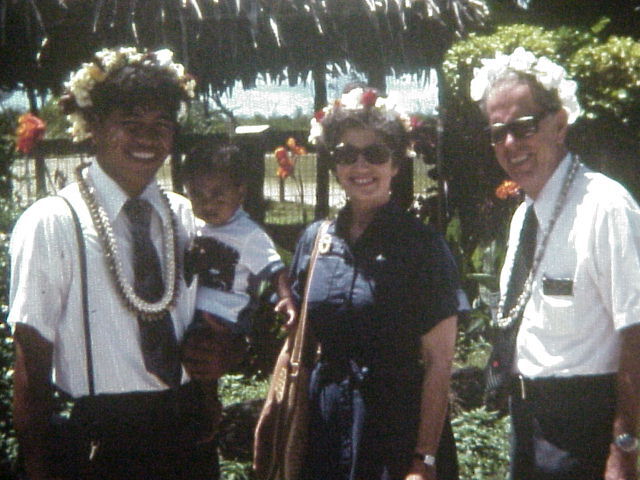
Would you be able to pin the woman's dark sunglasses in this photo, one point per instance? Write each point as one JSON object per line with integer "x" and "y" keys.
{"x": 375, "y": 154}
{"x": 520, "y": 128}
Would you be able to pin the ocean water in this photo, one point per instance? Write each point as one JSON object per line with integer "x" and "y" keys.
{"x": 415, "y": 95}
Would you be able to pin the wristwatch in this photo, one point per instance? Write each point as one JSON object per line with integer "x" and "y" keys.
{"x": 626, "y": 442}
{"x": 428, "y": 460}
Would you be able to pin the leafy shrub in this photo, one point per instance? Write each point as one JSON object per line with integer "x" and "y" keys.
{"x": 609, "y": 79}
{"x": 483, "y": 445}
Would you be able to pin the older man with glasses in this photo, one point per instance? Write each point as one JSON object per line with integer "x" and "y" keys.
{"x": 567, "y": 331}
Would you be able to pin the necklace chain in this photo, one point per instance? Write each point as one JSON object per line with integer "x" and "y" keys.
{"x": 505, "y": 321}
{"x": 137, "y": 305}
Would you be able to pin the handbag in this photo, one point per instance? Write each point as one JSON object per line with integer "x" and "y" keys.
{"x": 71, "y": 441}
{"x": 280, "y": 439}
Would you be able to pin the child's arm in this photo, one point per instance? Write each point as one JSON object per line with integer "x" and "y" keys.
{"x": 286, "y": 305}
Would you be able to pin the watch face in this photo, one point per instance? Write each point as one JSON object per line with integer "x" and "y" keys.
{"x": 627, "y": 442}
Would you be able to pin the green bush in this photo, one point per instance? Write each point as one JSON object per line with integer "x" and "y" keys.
{"x": 609, "y": 78}
{"x": 482, "y": 442}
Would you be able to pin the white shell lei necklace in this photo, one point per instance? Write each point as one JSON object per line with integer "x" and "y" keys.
{"x": 142, "y": 308}
{"x": 503, "y": 321}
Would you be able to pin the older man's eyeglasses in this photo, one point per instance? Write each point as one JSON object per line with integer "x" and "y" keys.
{"x": 375, "y": 154}
{"x": 520, "y": 128}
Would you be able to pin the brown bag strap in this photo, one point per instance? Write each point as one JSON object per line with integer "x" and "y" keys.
{"x": 301, "y": 330}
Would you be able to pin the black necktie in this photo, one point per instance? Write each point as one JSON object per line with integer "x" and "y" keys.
{"x": 523, "y": 259}
{"x": 504, "y": 339}
{"x": 158, "y": 338}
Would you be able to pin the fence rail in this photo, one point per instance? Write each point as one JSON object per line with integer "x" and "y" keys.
{"x": 289, "y": 201}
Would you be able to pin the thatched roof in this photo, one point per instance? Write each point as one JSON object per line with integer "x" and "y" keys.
{"x": 222, "y": 41}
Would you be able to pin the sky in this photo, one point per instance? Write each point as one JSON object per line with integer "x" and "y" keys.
{"x": 270, "y": 99}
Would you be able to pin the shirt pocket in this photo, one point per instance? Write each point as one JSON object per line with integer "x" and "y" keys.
{"x": 558, "y": 314}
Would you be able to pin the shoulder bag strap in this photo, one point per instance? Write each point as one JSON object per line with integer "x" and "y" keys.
{"x": 301, "y": 330}
{"x": 85, "y": 296}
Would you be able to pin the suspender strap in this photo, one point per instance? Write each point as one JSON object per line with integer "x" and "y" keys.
{"x": 85, "y": 296}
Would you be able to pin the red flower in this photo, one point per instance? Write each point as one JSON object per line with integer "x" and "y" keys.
{"x": 319, "y": 115}
{"x": 415, "y": 122}
{"x": 369, "y": 98}
{"x": 286, "y": 163}
{"x": 30, "y": 131}
{"x": 507, "y": 189}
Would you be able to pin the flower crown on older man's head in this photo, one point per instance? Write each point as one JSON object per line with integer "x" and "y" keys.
{"x": 106, "y": 62}
{"x": 359, "y": 99}
{"x": 548, "y": 74}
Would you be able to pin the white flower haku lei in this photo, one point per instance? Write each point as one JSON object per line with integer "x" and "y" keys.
{"x": 107, "y": 61}
{"x": 146, "y": 310}
{"x": 353, "y": 100}
{"x": 549, "y": 74}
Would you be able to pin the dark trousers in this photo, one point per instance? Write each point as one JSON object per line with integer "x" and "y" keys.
{"x": 561, "y": 427}
{"x": 138, "y": 435}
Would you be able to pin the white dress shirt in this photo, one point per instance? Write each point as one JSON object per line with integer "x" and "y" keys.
{"x": 593, "y": 248}
{"x": 45, "y": 288}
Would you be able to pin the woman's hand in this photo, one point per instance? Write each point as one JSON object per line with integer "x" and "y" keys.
{"x": 287, "y": 307}
{"x": 420, "y": 471}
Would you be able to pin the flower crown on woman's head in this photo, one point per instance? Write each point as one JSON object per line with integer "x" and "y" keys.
{"x": 359, "y": 99}
{"x": 548, "y": 74}
{"x": 107, "y": 61}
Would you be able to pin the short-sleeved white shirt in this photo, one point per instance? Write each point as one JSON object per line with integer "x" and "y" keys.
{"x": 45, "y": 290}
{"x": 595, "y": 244}
{"x": 245, "y": 257}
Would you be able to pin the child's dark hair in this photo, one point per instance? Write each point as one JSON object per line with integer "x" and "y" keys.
{"x": 206, "y": 159}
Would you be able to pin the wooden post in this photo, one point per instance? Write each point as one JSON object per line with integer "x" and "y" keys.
{"x": 252, "y": 146}
{"x": 40, "y": 172}
{"x": 322, "y": 164}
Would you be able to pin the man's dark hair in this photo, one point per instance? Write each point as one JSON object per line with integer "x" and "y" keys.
{"x": 135, "y": 85}
{"x": 207, "y": 159}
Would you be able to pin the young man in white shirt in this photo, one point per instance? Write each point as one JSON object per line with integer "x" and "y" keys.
{"x": 123, "y": 370}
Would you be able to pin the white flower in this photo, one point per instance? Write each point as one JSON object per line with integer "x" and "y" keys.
{"x": 549, "y": 74}
{"x": 315, "y": 131}
{"x": 351, "y": 100}
{"x": 521, "y": 60}
{"x": 164, "y": 57}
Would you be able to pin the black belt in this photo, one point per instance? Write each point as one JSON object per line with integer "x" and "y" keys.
{"x": 531, "y": 388}
{"x": 174, "y": 413}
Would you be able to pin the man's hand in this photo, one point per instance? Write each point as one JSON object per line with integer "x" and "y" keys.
{"x": 420, "y": 471}
{"x": 210, "y": 349}
{"x": 621, "y": 465}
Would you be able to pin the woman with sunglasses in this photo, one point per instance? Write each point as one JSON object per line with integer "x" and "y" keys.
{"x": 382, "y": 305}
